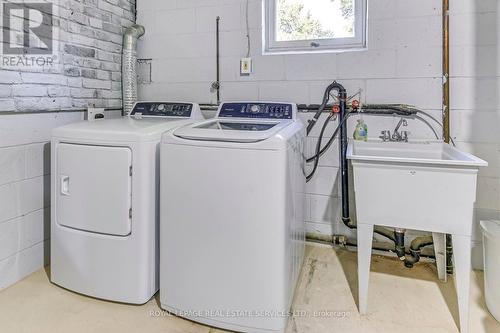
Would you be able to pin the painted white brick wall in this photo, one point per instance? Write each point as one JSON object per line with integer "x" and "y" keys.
{"x": 402, "y": 65}
{"x": 88, "y": 61}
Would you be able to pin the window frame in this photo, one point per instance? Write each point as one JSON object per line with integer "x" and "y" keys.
{"x": 272, "y": 46}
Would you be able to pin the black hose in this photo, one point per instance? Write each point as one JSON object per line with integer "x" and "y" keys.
{"x": 328, "y": 145}
{"x": 334, "y": 85}
{"x": 369, "y": 109}
{"x": 344, "y": 115}
{"x": 399, "y": 109}
{"x": 318, "y": 146}
{"x": 323, "y": 150}
{"x": 389, "y": 109}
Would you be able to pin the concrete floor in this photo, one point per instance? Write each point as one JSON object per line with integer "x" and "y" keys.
{"x": 401, "y": 300}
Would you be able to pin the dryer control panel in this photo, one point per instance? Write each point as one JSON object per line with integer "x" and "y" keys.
{"x": 256, "y": 110}
{"x": 162, "y": 109}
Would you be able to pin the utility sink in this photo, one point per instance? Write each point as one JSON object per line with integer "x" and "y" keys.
{"x": 416, "y": 185}
{"x": 428, "y": 186}
{"x": 425, "y": 152}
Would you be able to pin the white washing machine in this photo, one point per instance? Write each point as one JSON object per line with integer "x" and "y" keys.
{"x": 105, "y": 186}
{"x": 232, "y": 225}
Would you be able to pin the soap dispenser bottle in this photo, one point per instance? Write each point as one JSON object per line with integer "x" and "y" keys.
{"x": 361, "y": 131}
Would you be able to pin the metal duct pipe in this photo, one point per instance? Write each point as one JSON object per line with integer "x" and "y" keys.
{"x": 129, "y": 66}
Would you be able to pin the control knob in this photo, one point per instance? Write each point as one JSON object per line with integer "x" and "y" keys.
{"x": 255, "y": 108}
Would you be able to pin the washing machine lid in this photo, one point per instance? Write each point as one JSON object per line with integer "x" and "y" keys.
{"x": 242, "y": 122}
{"x": 147, "y": 122}
{"x": 232, "y": 130}
{"x": 126, "y": 129}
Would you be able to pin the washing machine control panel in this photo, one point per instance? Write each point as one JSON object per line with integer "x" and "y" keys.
{"x": 162, "y": 109}
{"x": 256, "y": 110}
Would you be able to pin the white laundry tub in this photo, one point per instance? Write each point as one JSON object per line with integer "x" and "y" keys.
{"x": 429, "y": 186}
{"x": 422, "y": 186}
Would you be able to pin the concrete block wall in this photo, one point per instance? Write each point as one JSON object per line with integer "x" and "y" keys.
{"x": 25, "y": 192}
{"x": 402, "y": 65}
{"x": 23, "y": 229}
{"x": 88, "y": 73}
{"x": 475, "y": 103}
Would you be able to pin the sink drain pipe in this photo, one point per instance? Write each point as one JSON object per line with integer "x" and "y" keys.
{"x": 415, "y": 247}
{"x": 399, "y": 243}
{"x": 342, "y": 96}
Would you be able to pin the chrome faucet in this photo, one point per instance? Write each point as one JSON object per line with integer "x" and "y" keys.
{"x": 386, "y": 136}
{"x": 397, "y": 136}
{"x": 403, "y": 136}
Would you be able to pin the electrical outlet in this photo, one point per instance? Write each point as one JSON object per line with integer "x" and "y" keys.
{"x": 95, "y": 113}
{"x": 246, "y": 66}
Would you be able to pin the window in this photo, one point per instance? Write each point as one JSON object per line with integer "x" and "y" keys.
{"x": 314, "y": 25}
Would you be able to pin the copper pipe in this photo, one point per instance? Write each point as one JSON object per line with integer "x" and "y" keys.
{"x": 446, "y": 71}
{"x": 215, "y": 86}
{"x": 446, "y": 107}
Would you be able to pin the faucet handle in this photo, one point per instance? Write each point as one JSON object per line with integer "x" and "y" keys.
{"x": 386, "y": 135}
{"x": 404, "y": 135}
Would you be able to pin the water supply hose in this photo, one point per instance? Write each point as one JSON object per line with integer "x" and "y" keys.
{"x": 318, "y": 153}
{"x": 326, "y": 97}
{"x": 342, "y": 96}
{"x": 397, "y": 235}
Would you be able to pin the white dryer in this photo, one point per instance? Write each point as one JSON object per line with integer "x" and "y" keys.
{"x": 105, "y": 186}
{"x": 232, "y": 224}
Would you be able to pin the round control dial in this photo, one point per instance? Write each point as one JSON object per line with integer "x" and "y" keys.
{"x": 255, "y": 108}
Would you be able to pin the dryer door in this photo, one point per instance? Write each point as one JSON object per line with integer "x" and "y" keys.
{"x": 94, "y": 188}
